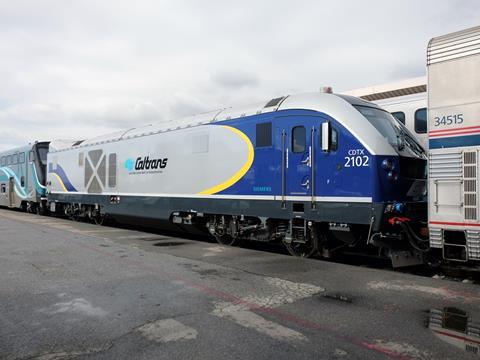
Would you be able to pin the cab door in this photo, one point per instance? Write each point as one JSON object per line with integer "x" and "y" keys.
{"x": 299, "y": 149}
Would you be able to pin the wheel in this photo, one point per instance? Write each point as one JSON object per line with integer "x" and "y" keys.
{"x": 227, "y": 240}
{"x": 98, "y": 219}
{"x": 303, "y": 248}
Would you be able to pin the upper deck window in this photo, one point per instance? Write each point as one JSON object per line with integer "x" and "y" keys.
{"x": 400, "y": 116}
{"x": 421, "y": 121}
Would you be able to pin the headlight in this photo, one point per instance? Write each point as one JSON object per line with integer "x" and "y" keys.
{"x": 387, "y": 164}
{"x": 392, "y": 175}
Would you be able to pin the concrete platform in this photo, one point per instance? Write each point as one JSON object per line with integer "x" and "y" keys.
{"x": 75, "y": 290}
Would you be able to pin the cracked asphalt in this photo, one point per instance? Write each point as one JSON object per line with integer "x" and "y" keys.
{"x": 75, "y": 290}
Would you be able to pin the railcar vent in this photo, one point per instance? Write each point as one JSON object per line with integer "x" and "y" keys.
{"x": 445, "y": 165}
{"x": 473, "y": 244}
{"x": 274, "y": 102}
{"x": 95, "y": 171}
{"x": 112, "y": 170}
{"x": 470, "y": 168}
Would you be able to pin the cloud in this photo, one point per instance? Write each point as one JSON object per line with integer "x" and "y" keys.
{"x": 235, "y": 79}
{"x": 85, "y": 67}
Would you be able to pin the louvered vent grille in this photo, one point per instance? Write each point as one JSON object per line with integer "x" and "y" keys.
{"x": 470, "y": 184}
{"x": 436, "y": 240}
{"x": 446, "y": 165}
{"x": 473, "y": 244}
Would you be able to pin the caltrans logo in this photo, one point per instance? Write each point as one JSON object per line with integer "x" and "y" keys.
{"x": 145, "y": 164}
{"x": 129, "y": 165}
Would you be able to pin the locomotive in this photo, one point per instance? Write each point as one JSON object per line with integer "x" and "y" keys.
{"x": 321, "y": 173}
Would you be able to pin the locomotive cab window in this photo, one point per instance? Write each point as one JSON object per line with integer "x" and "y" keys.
{"x": 299, "y": 138}
{"x": 421, "y": 121}
{"x": 334, "y": 140}
{"x": 263, "y": 134}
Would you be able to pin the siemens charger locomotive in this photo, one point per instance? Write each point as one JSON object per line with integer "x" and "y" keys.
{"x": 318, "y": 172}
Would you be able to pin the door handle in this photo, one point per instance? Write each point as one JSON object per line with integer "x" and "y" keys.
{"x": 308, "y": 160}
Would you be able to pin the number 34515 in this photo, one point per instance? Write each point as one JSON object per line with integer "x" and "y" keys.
{"x": 448, "y": 120}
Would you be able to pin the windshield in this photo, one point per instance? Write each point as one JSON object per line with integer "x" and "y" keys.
{"x": 42, "y": 153}
{"x": 390, "y": 128}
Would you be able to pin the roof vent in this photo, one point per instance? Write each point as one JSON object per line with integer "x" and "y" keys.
{"x": 274, "y": 102}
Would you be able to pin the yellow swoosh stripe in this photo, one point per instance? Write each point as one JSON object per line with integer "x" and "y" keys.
{"x": 239, "y": 174}
{"x": 61, "y": 182}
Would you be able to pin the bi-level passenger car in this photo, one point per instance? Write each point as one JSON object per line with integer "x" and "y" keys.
{"x": 23, "y": 176}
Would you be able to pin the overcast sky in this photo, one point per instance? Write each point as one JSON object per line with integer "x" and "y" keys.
{"x": 77, "y": 69}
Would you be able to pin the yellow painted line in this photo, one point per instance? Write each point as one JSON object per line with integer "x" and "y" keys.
{"x": 61, "y": 182}
{"x": 239, "y": 174}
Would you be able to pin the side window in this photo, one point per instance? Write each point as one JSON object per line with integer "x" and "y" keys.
{"x": 22, "y": 181}
{"x": 3, "y": 188}
{"x": 2, "y": 161}
{"x": 421, "y": 121}
{"x": 15, "y": 159}
{"x": 299, "y": 138}
{"x": 9, "y": 160}
{"x": 264, "y": 134}
{"x": 400, "y": 116}
{"x": 334, "y": 140}
{"x": 31, "y": 156}
{"x": 22, "y": 158}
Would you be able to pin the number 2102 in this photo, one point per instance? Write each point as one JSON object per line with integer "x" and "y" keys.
{"x": 448, "y": 120}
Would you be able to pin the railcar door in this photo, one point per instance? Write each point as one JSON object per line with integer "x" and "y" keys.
{"x": 299, "y": 142}
{"x": 11, "y": 192}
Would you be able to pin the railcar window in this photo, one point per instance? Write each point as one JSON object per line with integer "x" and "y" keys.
{"x": 9, "y": 160}
{"x": 22, "y": 158}
{"x": 15, "y": 159}
{"x": 22, "y": 181}
{"x": 2, "y": 161}
{"x": 421, "y": 121}
{"x": 31, "y": 156}
{"x": 299, "y": 138}
{"x": 400, "y": 116}
{"x": 264, "y": 134}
